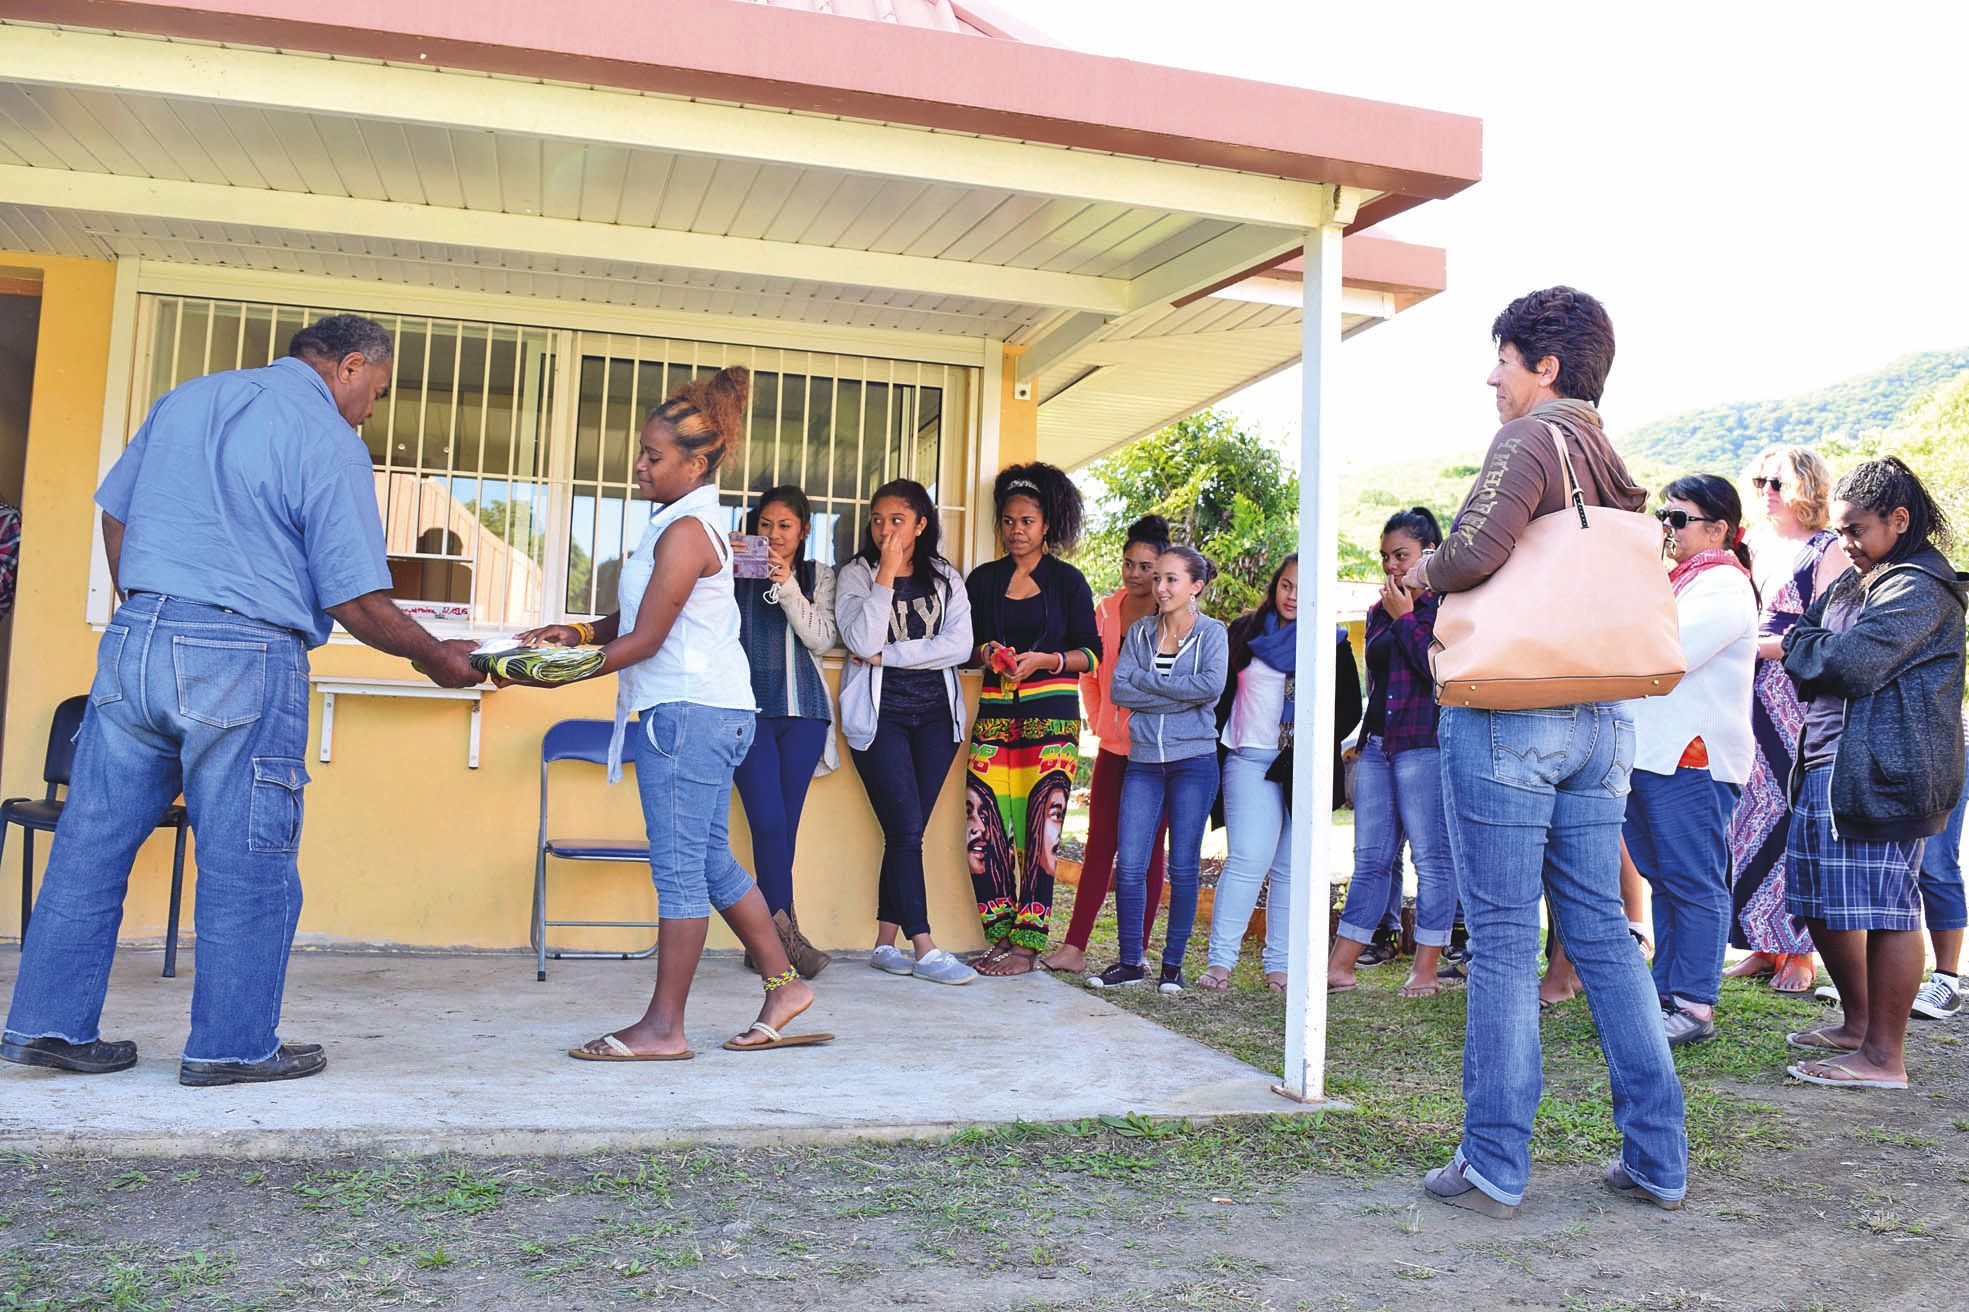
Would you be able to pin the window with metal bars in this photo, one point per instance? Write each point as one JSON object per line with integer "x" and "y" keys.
{"x": 504, "y": 454}
{"x": 838, "y": 427}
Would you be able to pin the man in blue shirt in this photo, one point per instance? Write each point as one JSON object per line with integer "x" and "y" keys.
{"x": 241, "y": 524}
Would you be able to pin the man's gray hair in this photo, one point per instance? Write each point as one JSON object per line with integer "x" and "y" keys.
{"x": 339, "y": 336}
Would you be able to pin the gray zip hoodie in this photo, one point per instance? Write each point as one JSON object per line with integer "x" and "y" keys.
{"x": 1173, "y": 716}
{"x": 1898, "y": 769}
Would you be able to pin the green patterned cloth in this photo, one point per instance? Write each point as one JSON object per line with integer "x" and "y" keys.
{"x": 538, "y": 664}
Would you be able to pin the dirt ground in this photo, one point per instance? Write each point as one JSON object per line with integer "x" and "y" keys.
{"x": 1801, "y": 1200}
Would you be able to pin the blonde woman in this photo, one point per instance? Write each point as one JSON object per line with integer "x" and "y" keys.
{"x": 1791, "y": 563}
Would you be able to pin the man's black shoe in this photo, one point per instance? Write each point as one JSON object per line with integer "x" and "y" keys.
{"x": 294, "y": 1061}
{"x": 98, "y": 1058}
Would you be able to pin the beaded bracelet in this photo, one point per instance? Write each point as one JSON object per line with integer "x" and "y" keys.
{"x": 585, "y": 631}
{"x": 782, "y": 979}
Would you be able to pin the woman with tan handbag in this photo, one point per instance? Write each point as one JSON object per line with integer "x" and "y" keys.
{"x": 1536, "y": 796}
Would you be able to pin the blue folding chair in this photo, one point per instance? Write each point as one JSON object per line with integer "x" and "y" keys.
{"x": 41, "y": 814}
{"x": 578, "y": 740}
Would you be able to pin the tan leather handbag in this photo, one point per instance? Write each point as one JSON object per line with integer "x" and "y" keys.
{"x": 1582, "y": 611}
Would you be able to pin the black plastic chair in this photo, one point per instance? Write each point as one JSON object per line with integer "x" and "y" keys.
{"x": 40, "y": 815}
{"x": 578, "y": 740}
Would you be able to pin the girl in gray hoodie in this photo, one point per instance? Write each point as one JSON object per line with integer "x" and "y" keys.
{"x": 1169, "y": 674}
{"x": 1879, "y": 665}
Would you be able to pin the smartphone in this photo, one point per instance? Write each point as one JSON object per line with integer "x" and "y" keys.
{"x": 750, "y": 558}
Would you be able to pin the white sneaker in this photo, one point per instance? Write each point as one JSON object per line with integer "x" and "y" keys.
{"x": 1828, "y": 994}
{"x": 940, "y": 967}
{"x": 1939, "y": 998}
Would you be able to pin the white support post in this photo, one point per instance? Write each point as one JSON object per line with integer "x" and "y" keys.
{"x": 1312, "y": 724}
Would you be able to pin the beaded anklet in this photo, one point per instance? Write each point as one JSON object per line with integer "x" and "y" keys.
{"x": 782, "y": 979}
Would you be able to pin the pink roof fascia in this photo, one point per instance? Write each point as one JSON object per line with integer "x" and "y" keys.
{"x": 763, "y": 54}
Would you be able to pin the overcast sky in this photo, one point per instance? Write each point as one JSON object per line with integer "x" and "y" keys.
{"x": 1768, "y": 197}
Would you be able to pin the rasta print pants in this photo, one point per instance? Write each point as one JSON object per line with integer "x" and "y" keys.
{"x": 1020, "y": 776}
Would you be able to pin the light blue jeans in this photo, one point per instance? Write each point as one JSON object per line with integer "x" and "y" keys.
{"x": 686, "y": 755}
{"x": 1393, "y": 799}
{"x": 195, "y": 698}
{"x": 1536, "y": 800}
{"x": 1260, "y": 848}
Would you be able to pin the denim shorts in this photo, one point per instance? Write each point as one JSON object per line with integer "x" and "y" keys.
{"x": 685, "y": 756}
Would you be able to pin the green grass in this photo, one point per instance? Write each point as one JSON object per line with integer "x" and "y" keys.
{"x": 1399, "y": 1062}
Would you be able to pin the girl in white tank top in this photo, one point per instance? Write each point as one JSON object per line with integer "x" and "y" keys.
{"x": 674, "y": 646}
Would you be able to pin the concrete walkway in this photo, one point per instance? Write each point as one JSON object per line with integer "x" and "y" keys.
{"x": 466, "y": 1053}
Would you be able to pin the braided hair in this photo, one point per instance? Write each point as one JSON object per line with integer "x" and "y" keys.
{"x": 706, "y": 416}
{"x": 1887, "y": 484}
{"x": 1056, "y": 496}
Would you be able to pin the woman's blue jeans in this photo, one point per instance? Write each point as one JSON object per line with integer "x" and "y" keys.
{"x": 772, "y": 782}
{"x": 1678, "y": 834}
{"x": 195, "y": 698}
{"x": 1536, "y": 800}
{"x": 686, "y": 755}
{"x": 1187, "y": 788}
{"x": 1394, "y": 798}
{"x": 1257, "y": 828}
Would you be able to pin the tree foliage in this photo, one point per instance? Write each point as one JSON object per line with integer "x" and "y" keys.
{"x": 1722, "y": 439}
{"x": 1223, "y": 491}
{"x": 1932, "y": 435}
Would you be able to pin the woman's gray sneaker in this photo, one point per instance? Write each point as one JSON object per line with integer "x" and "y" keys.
{"x": 940, "y": 967}
{"x": 1685, "y": 1027}
{"x": 1625, "y": 1185}
{"x": 1447, "y": 1184}
{"x": 892, "y": 959}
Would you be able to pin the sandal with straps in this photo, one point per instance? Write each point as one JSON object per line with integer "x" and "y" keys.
{"x": 617, "y": 1050}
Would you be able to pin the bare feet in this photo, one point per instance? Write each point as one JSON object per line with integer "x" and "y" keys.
{"x": 1796, "y": 973}
{"x": 782, "y": 1006}
{"x": 642, "y": 1040}
{"x": 1066, "y": 959}
{"x": 1755, "y": 966}
{"x": 1275, "y": 980}
{"x": 1215, "y": 978}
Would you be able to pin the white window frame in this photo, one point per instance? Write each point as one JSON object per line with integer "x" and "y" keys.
{"x": 974, "y": 426}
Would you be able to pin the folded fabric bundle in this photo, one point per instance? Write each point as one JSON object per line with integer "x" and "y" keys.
{"x": 537, "y": 664}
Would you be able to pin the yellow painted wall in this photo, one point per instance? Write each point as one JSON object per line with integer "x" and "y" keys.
{"x": 1018, "y": 421}
{"x": 403, "y": 843}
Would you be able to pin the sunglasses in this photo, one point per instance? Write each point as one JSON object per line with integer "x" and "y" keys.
{"x": 1774, "y": 484}
{"x": 1679, "y": 519}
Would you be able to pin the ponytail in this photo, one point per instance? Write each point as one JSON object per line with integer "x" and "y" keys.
{"x": 1716, "y": 497}
{"x": 1419, "y": 522}
{"x": 706, "y": 416}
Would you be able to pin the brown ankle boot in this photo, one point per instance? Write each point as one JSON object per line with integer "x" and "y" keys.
{"x": 805, "y": 957}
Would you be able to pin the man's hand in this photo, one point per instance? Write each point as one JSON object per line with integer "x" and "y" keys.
{"x": 450, "y": 666}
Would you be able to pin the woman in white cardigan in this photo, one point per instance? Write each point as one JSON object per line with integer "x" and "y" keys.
{"x": 1693, "y": 752}
{"x": 906, "y": 622}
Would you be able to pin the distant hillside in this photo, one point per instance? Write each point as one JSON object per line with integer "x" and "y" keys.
{"x": 1724, "y": 438}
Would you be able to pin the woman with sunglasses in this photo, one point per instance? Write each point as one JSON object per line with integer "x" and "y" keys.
{"x": 1793, "y": 563}
{"x": 1692, "y": 752}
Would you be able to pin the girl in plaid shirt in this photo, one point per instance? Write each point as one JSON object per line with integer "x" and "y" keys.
{"x": 1398, "y": 785}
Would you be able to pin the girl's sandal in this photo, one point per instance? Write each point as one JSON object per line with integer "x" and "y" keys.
{"x": 1013, "y": 961}
{"x": 1210, "y": 979}
{"x": 1275, "y": 981}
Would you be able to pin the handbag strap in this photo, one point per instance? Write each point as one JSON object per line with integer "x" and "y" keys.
{"x": 1573, "y": 492}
